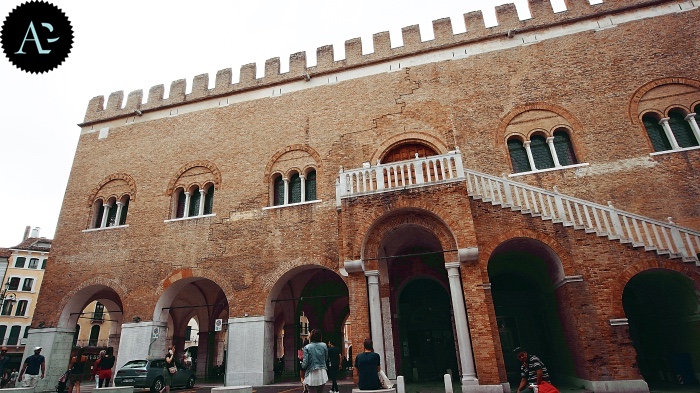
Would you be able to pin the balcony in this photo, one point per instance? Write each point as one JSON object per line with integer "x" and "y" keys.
{"x": 419, "y": 172}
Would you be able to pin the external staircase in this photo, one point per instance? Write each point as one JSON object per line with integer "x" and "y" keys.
{"x": 664, "y": 238}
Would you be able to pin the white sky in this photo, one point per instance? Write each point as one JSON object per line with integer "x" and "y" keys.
{"x": 129, "y": 45}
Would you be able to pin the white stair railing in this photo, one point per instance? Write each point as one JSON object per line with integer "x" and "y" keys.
{"x": 640, "y": 231}
{"x": 398, "y": 175}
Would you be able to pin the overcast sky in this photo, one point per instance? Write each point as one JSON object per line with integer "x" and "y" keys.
{"x": 129, "y": 45}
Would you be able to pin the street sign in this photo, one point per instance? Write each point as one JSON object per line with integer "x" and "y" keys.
{"x": 218, "y": 324}
{"x": 156, "y": 332}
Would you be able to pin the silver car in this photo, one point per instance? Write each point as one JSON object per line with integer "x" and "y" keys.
{"x": 148, "y": 374}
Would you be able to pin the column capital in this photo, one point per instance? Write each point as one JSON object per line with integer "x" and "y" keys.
{"x": 372, "y": 273}
{"x": 468, "y": 254}
{"x": 202, "y": 191}
{"x": 689, "y": 116}
{"x": 356, "y": 266}
{"x": 550, "y": 139}
{"x": 527, "y": 143}
{"x": 452, "y": 265}
{"x": 664, "y": 120}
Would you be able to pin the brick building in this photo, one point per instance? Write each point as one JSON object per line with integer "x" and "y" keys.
{"x": 532, "y": 183}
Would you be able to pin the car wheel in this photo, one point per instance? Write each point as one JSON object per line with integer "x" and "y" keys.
{"x": 190, "y": 382}
{"x": 157, "y": 385}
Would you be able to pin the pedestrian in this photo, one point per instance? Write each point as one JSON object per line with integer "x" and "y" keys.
{"x": 300, "y": 356}
{"x": 13, "y": 378}
{"x": 367, "y": 367}
{"x": 33, "y": 364}
{"x": 106, "y": 365}
{"x": 96, "y": 368}
{"x": 168, "y": 369}
{"x": 532, "y": 371}
{"x": 314, "y": 363}
{"x": 77, "y": 367}
{"x": 334, "y": 365}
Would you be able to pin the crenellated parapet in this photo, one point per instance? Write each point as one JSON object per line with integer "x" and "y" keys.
{"x": 509, "y": 26}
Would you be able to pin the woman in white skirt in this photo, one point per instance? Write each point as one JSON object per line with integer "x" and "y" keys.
{"x": 315, "y": 358}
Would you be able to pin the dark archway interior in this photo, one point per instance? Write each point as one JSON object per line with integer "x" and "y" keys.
{"x": 426, "y": 331}
{"x": 664, "y": 323}
{"x": 526, "y": 309}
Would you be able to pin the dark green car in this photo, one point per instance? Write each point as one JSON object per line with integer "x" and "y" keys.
{"x": 148, "y": 374}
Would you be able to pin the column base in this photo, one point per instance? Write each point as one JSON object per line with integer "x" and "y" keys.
{"x": 471, "y": 387}
{"x": 626, "y": 386}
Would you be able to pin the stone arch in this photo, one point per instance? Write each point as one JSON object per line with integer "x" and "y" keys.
{"x": 116, "y": 177}
{"x": 213, "y": 169}
{"x": 269, "y": 168}
{"x": 640, "y": 266}
{"x": 382, "y": 226}
{"x": 636, "y": 99}
{"x": 274, "y": 283}
{"x": 501, "y": 134}
{"x": 409, "y": 137}
{"x": 565, "y": 259}
{"x": 73, "y": 302}
{"x": 170, "y": 287}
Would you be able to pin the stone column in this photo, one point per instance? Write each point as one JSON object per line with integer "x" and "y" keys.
{"x": 105, "y": 214}
{"x": 56, "y": 344}
{"x": 290, "y": 352}
{"x": 186, "y": 213}
{"x": 203, "y": 353}
{"x": 466, "y": 354}
{"x": 669, "y": 133}
{"x": 690, "y": 118}
{"x": 286, "y": 191}
{"x": 137, "y": 341}
{"x": 555, "y": 157}
{"x": 375, "y": 315}
{"x": 530, "y": 159}
{"x": 202, "y": 198}
{"x": 119, "y": 214}
{"x": 249, "y": 360}
{"x": 303, "y": 187}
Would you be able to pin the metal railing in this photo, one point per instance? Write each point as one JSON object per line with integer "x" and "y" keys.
{"x": 399, "y": 175}
{"x": 665, "y": 238}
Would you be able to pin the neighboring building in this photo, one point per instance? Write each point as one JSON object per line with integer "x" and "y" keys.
{"x": 452, "y": 199}
{"x": 22, "y": 282}
{"x": 93, "y": 327}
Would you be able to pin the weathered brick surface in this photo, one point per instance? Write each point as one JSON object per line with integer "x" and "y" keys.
{"x": 589, "y": 78}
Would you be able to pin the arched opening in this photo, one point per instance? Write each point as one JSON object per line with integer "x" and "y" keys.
{"x": 663, "y": 311}
{"x": 204, "y": 301}
{"x": 408, "y": 151}
{"x": 522, "y": 272}
{"x": 305, "y": 298}
{"x": 422, "y": 327}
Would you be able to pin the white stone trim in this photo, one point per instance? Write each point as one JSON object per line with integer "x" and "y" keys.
{"x": 549, "y": 169}
{"x": 619, "y": 322}
{"x": 658, "y": 153}
{"x": 105, "y": 228}
{"x": 568, "y": 279}
{"x": 190, "y": 218}
{"x": 292, "y": 204}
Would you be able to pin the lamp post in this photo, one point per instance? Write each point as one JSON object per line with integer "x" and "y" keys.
{"x": 4, "y": 296}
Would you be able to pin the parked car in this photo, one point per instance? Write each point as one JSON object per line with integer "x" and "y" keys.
{"x": 148, "y": 374}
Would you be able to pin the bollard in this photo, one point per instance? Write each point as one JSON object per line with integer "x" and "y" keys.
{"x": 448, "y": 384}
{"x": 400, "y": 385}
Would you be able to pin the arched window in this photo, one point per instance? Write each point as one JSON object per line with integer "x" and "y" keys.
{"x": 14, "y": 335}
{"x": 111, "y": 213}
{"x": 180, "y": 204}
{"x": 21, "y": 308}
{"x": 209, "y": 200}
{"x": 94, "y": 336}
{"x": 310, "y": 187}
{"x": 278, "y": 196}
{"x": 564, "y": 148}
{"x": 541, "y": 153}
{"x": 681, "y": 129}
{"x": 195, "y": 199}
{"x": 656, "y": 133}
{"x": 3, "y": 331}
{"x": 518, "y": 155}
{"x": 295, "y": 188}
